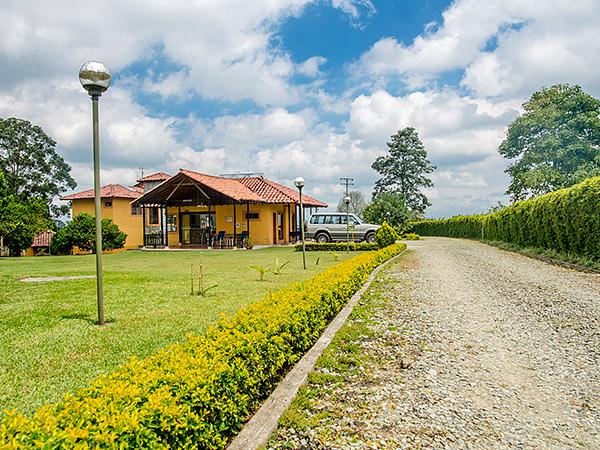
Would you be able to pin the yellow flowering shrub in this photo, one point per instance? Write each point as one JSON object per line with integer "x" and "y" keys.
{"x": 199, "y": 393}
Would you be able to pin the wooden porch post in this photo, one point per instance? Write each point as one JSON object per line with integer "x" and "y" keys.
{"x": 167, "y": 226}
{"x": 179, "y": 223}
{"x": 143, "y": 226}
{"x": 234, "y": 226}
{"x": 209, "y": 243}
{"x": 248, "y": 218}
{"x": 162, "y": 227}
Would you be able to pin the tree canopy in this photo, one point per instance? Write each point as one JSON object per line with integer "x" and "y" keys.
{"x": 81, "y": 233}
{"x": 357, "y": 203}
{"x": 555, "y": 143}
{"x": 403, "y": 170}
{"x": 31, "y": 166}
{"x": 388, "y": 207}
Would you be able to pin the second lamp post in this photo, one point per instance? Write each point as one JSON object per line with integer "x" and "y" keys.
{"x": 299, "y": 182}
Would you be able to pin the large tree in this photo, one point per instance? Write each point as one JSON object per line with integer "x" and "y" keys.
{"x": 403, "y": 170}
{"x": 20, "y": 220}
{"x": 31, "y": 166}
{"x": 357, "y": 203}
{"x": 555, "y": 143}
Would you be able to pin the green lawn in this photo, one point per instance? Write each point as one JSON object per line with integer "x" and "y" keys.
{"x": 49, "y": 344}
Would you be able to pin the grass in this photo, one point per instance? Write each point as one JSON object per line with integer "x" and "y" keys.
{"x": 50, "y": 345}
{"x": 550, "y": 255}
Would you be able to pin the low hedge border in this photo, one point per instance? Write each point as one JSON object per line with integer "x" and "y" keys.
{"x": 197, "y": 394}
{"x": 337, "y": 246}
{"x": 567, "y": 221}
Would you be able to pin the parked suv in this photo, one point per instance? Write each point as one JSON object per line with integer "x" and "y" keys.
{"x": 326, "y": 227}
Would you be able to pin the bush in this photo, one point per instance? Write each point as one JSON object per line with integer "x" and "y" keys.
{"x": 410, "y": 237}
{"x": 198, "y": 394}
{"x": 81, "y": 233}
{"x": 336, "y": 246}
{"x": 567, "y": 221}
{"x": 385, "y": 235}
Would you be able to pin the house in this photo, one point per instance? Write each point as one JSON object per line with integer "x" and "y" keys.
{"x": 115, "y": 204}
{"x": 192, "y": 209}
{"x": 41, "y": 244}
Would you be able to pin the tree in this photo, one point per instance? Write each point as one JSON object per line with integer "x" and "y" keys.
{"x": 555, "y": 143}
{"x": 30, "y": 163}
{"x": 357, "y": 203}
{"x": 81, "y": 233}
{"x": 388, "y": 207}
{"x": 20, "y": 220}
{"x": 403, "y": 170}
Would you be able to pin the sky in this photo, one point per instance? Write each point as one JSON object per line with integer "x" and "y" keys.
{"x": 288, "y": 88}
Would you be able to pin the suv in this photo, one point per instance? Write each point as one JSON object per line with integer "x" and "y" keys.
{"x": 326, "y": 227}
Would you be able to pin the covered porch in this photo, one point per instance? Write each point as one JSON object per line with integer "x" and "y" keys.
{"x": 193, "y": 210}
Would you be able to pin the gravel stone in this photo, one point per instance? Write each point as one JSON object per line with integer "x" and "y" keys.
{"x": 474, "y": 348}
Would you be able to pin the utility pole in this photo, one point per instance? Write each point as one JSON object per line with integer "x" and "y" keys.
{"x": 142, "y": 170}
{"x": 345, "y": 181}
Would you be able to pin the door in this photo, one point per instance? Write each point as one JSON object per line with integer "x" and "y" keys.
{"x": 196, "y": 228}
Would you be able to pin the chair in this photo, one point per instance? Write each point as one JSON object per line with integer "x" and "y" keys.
{"x": 219, "y": 238}
{"x": 243, "y": 237}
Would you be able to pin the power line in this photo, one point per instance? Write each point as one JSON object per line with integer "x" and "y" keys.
{"x": 345, "y": 181}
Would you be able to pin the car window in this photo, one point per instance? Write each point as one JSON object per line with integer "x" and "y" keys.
{"x": 355, "y": 220}
{"x": 328, "y": 220}
{"x": 342, "y": 220}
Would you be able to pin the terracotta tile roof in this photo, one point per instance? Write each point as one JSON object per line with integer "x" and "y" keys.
{"x": 158, "y": 176}
{"x": 42, "y": 239}
{"x": 273, "y": 192}
{"x": 108, "y": 191}
{"x": 231, "y": 187}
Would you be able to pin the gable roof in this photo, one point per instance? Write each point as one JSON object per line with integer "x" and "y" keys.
{"x": 273, "y": 192}
{"x": 158, "y": 176}
{"x": 190, "y": 185}
{"x": 42, "y": 239}
{"x": 108, "y": 191}
{"x": 230, "y": 187}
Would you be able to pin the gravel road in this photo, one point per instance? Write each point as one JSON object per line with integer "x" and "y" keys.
{"x": 477, "y": 348}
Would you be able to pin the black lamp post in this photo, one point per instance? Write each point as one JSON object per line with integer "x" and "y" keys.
{"x": 95, "y": 79}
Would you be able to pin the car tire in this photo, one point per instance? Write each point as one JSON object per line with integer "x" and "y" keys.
{"x": 322, "y": 238}
{"x": 370, "y": 238}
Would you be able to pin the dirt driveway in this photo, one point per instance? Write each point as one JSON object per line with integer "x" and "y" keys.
{"x": 475, "y": 348}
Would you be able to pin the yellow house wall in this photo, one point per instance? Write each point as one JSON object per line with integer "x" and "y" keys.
{"x": 261, "y": 229}
{"x": 120, "y": 213}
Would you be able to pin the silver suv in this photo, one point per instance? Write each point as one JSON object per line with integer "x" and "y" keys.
{"x": 327, "y": 227}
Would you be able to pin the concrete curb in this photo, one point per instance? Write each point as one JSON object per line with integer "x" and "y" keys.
{"x": 257, "y": 430}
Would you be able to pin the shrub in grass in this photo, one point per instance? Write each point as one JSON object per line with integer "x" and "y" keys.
{"x": 385, "y": 235}
{"x": 567, "y": 220}
{"x": 336, "y": 246}
{"x": 197, "y": 394}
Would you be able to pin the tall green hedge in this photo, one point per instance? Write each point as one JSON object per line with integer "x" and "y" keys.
{"x": 198, "y": 394}
{"x": 567, "y": 221}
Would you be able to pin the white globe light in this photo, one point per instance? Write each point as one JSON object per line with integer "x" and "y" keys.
{"x": 94, "y": 77}
{"x": 299, "y": 182}
{"x": 347, "y": 199}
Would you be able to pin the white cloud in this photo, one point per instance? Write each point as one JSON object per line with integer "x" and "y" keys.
{"x": 310, "y": 67}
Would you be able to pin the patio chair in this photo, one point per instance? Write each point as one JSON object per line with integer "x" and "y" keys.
{"x": 243, "y": 236}
{"x": 219, "y": 238}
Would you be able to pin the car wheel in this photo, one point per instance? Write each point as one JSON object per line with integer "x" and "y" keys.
{"x": 370, "y": 238}
{"x": 322, "y": 238}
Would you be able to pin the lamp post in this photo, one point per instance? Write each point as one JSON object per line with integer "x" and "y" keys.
{"x": 95, "y": 79}
{"x": 347, "y": 202}
{"x": 299, "y": 182}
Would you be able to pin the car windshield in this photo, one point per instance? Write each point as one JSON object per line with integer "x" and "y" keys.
{"x": 357, "y": 220}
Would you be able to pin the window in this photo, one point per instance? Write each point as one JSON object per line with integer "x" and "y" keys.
{"x": 253, "y": 215}
{"x": 153, "y": 218}
{"x": 328, "y": 220}
{"x": 171, "y": 223}
{"x": 108, "y": 203}
{"x": 136, "y": 210}
{"x": 317, "y": 219}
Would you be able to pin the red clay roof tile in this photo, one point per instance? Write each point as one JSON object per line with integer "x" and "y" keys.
{"x": 108, "y": 191}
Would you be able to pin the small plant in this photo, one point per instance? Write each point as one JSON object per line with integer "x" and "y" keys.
{"x": 336, "y": 257}
{"x": 317, "y": 262}
{"x": 279, "y": 267}
{"x": 410, "y": 237}
{"x": 385, "y": 235}
{"x": 248, "y": 244}
{"x": 260, "y": 269}
{"x": 202, "y": 289}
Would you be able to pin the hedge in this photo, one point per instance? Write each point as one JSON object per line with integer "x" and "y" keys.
{"x": 337, "y": 246}
{"x": 567, "y": 221}
{"x": 198, "y": 394}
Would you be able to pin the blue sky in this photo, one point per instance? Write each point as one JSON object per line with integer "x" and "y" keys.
{"x": 294, "y": 87}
